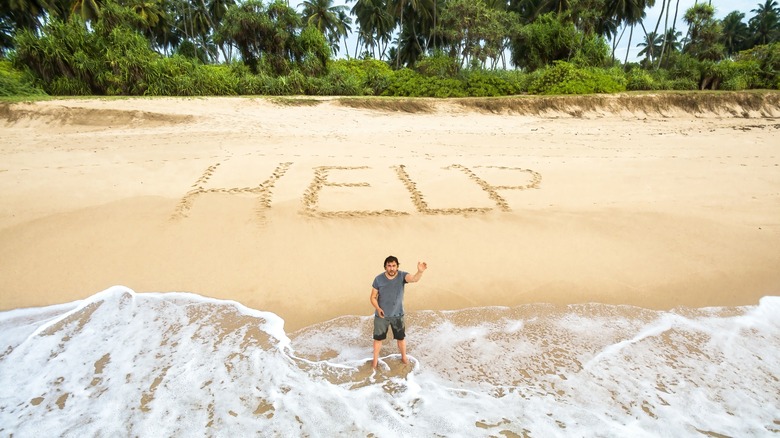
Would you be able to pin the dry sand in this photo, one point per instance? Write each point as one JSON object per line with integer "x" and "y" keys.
{"x": 292, "y": 205}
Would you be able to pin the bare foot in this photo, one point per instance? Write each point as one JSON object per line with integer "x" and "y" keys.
{"x": 405, "y": 360}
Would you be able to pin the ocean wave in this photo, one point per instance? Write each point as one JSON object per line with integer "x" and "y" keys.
{"x": 176, "y": 364}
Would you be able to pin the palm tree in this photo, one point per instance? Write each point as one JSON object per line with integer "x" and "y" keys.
{"x": 735, "y": 33}
{"x": 666, "y": 32}
{"x": 671, "y": 44}
{"x": 652, "y": 44}
{"x": 629, "y": 12}
{"x": 267, "y": 33}
{"x": 23, "y": 14}
{"x": 192, "y": 25}
{"x": 607, "y": 27}
{"x": 665, "y": 9}
{"x": 150, "y": 11}
{"x": 345, "y": 27}
{"x": 704, "y": 32}
{"x": 166, "y": 35}
{"x": 6, "y": 34}
{"x": 192, "y": 20}
{"x": 766, "y": 23}
{"x": 217, "y": 9}
{"x": 375, "y": 25}
{"x": 154, "y": 17}
{"x": 558, "y": 6}
{"x": 420, "y": 10}
{"x": 672, "y": 41}
{"x": 86, "y": 9}
{"x": 669, "y": 32}
{"x": 322, "y": 15}
{"x": 529, "y": 10}
{"x": 409, "y": 47}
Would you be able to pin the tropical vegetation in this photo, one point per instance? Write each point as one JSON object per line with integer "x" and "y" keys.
{"x": 438, "y": 48}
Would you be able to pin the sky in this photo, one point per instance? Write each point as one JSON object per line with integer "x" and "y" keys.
{"x": 722, "y": 8}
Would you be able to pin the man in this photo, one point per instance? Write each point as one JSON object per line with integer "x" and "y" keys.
{"x": 387, "y": 297}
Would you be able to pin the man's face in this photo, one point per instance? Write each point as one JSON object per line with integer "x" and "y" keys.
{"x": 391, "y": 269}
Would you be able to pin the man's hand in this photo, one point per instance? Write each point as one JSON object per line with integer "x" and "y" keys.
{"x": 375, "y": 302}
{"x": 421, "y": 267}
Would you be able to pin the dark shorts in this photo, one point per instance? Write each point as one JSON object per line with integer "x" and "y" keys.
{"x": 381, "y": 325}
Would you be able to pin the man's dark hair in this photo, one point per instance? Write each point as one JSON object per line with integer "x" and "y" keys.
{"x": 391, "y": 259}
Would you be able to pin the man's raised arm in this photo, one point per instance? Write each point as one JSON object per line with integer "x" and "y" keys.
{"x": 421, "y": 267}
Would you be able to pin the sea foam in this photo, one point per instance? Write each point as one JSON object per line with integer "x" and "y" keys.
{"x": 175, "y": 364}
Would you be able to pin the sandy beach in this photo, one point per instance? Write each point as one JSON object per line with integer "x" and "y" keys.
{"x": 291, "y": 205}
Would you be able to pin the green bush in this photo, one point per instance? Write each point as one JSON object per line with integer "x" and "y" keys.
{"x": 487, "y": 83}
{"x": 356, "y": 77}
{"x": 593, "y": 52}
{"x": 474, "y": 83}
{"x": 315, "y": 52}
{"x": 16, "y": 83}
{"x": 765, "y": 59}
{"x": 343, "y": 82}
{"x": 127, "y": 54}
{"x": 294, "y": 83}
{"x": 280, "y": 86}
{"x": 378, "y": 75}
{"x": 440, "y": 65}
{"x": 640, "y": 79}
{"x": 64, "y": 86}
{"x": 181, "y": 76}
{"x": 682, "y": 84}
{"x": 408, "y": 83}
{"x": 750, "y": 70}
{"x": 517, "y": 79}
{"x": 68, "y": 58}
{"x": 565, "y": 78}
{"x": 261, "y": 84}
{"x": 615, "y": 79}
{"x": 658, "y": 79}
{"x": 248, "y": 83}
{"x": 344, "y": 78}
{"x": 684, "y": 71}
{"x": 297, "y": 83}
{"x": 169, "y": 77}
{"x": 734, "y": 76}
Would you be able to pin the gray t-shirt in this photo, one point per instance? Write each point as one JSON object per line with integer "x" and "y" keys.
{"x": 391, "y": 293}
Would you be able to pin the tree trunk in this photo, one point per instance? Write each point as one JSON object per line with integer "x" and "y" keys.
{"x": 657, "y": 23}
{"x": 616, "y": 42}
{"x": 666, "y": 34}
{"x": 688, "y": 32}
{"x": 628, "y": 48}
{"x": 650, "y": 43}
{"x": 433, "y": 31}
{"x": 400, "y": 34}
{"x": 674, "y": 22}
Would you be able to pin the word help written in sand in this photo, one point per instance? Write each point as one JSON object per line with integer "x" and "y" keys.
{"x": 314, "y": 196}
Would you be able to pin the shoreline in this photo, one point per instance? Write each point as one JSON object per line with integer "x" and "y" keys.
{"x": 292, "y": 208}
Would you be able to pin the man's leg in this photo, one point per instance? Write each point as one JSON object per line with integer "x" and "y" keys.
{"x": 402, "y": 349}
{"x": 399, "y": 333}
{"x": 377, "y": 347}
{"x": 380, "y": 332}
